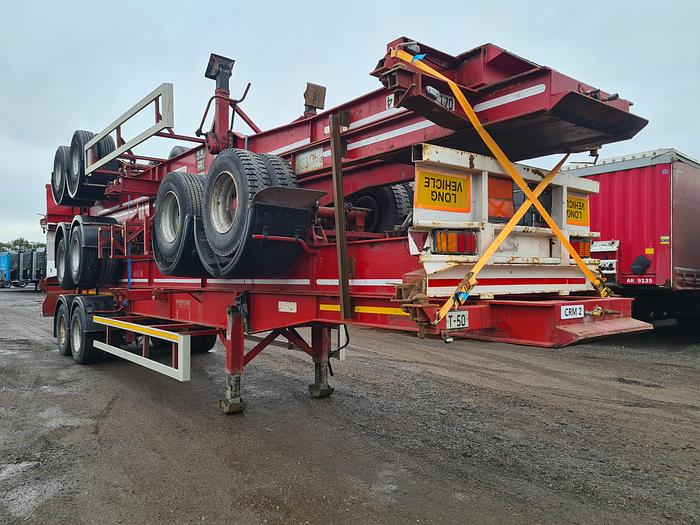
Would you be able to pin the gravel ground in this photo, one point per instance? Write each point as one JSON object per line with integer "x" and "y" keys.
{"x": 417, "y": 431}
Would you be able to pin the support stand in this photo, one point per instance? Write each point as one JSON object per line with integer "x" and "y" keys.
{"x": 321, "y": 345}
{"x": 232, "y": 403}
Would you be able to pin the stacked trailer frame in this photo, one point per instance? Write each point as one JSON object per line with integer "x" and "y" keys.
{"x": 395, "y": 280}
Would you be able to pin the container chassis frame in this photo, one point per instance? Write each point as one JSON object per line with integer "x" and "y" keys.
{"x": 371, "y": 145}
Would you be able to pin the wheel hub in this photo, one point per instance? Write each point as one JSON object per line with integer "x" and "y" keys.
{"x": 76, "y": 335}
{"x": 170, "y": 218}
{"x": 223, "y": 205}
{"x": 74, "y": 254}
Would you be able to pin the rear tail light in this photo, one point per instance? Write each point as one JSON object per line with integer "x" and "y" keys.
{"x": 456, "y": 242}
{"x": 582, "y": 247}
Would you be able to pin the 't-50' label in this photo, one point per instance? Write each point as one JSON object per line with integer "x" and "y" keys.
{"x": 572, "y": 311}
{"x": 458, "y": 319}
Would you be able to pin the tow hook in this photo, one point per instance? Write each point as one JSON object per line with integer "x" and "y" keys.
{"x": 447, "y": 338}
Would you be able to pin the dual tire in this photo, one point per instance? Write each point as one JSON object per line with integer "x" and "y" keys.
{"x": 59, "y": 178}
{"x": 70, "y": 185}
{"x": 77, "y": 262}
{"x": 78, "y": 185}
{"x": 219, "y": 206}
{"x": 75, "y": 339}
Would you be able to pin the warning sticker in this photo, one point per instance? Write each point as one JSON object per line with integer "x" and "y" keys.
{"x": 577, "y": 211}
{"x": 438, "y": 191}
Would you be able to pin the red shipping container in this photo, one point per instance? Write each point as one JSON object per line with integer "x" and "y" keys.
{"x": 648, "y": 214}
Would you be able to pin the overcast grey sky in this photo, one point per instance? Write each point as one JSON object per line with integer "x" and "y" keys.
{"x": 77, "y": 65}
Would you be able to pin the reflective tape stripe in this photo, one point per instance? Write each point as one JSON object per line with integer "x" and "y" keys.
{"x": 383, "y": 310}
{"x": 139, "y": 329}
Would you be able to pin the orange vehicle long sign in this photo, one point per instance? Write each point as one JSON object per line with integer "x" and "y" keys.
{"x": 439, "y": 191}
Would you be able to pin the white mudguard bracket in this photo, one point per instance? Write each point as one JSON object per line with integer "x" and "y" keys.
{"x": 181, "y": 372}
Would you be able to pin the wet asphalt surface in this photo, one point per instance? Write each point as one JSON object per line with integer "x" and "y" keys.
{"x": 416, "y": 432}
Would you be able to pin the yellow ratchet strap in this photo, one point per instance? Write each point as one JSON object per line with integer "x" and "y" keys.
{"x": 513, "y": 172}
{"x": 469, "y": 282}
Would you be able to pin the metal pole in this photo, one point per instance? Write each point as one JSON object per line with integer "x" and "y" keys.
{"x": 339, "y": 206}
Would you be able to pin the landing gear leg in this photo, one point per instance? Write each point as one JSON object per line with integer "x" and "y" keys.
{"x": 232, "y": 403}
{"x": 321, "y": 344}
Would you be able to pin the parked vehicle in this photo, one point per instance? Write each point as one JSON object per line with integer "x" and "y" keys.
{"x": 648, "y": 214}
{"x": 366, "y": 214}
{"x": 20, "y": 268}
{"x": 5, "y": 269}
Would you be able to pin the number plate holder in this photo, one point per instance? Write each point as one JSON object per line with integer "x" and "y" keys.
{"x": 457, "y": 320}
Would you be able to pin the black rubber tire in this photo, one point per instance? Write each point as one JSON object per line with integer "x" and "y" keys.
{"x": 59, "y": 178}
{"x": 22, "y": 284}
{"x": 109, "y": 266}
{"x": 76, "y": 181}
{"x": 202, "y": 343}
{"x": 177, "y": 150}
{"x": 185, "y": 191}
{"x": 410, "y": 188}
{"x": 86, "y": 272}
{"x": 108, "y": 269}
{"x": 62, "y": 329}
{"x": 403, "y": 202}
{"x": 390, "y": 205}
{"x": 6, "y": 284}
{"x": 81, "y": 341}
{"x": 63, "y": 271}
{"x": 280, "y": 171}
{"x": 158, "y": 343}
{"x": 225, "y": 231}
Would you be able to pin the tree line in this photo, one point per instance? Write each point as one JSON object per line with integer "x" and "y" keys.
{"x": 21, "y": 244}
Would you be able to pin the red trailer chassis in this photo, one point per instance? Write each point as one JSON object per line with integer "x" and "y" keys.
{"x": 530, "y": 110}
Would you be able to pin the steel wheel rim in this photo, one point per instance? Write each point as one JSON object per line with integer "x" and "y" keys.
{"x": 74, "y": 181}
{"x": 223, "y": 205}
{"x": 74, "y": 253}
{"x": 76, "y": 335}
{"x": 62, "y": 332}
{"x": 61, "y": 263}
{"x": 170, "y": 217}
{"x": 58, "y": 173}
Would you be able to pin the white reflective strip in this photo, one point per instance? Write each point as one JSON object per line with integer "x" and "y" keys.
{"x": 305, "y": 282}
{"x": 138, "y": 280}
{"x": 510, "y": 97}
{"x": 182, "y": 281}
{"x": 386, "y": 136}
{"x": 131, "y": 211}
{"x": 120, "y": 206}
{"x": 360, "y": 282}
{"x": 182, "y": 373}
{"x": 290, "y": 147}
{"x": 372, "y": 118}
{"x": 447, "y": 291}
{"x": 391, "y": 134}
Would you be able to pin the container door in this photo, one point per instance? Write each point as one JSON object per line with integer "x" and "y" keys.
{"x": 634, "y": 207}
